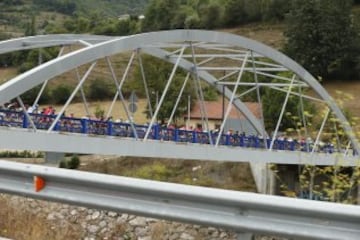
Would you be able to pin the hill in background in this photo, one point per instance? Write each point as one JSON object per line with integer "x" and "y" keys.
{"x": 17, "y": 15}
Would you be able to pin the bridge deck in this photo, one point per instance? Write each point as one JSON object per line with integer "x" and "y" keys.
{"x": 18, "y": 119}
{"x": 16, "y": 138}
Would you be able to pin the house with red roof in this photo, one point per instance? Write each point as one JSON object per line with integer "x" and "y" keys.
{"x": 215, "y": 112}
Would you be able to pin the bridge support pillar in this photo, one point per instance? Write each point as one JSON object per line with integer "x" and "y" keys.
{"x": 53, "y": 158}
{"x": 245, "y": 236}
{"x": 264, "y": 177}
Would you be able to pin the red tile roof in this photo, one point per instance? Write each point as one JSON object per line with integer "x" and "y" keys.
{"x": 214, "y": 110}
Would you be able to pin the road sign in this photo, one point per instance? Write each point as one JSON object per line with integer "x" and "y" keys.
{"x": 132, "y": 107}
{"x": 133, "y": 98}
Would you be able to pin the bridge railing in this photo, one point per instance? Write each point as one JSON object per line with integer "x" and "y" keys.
{"x": 11, "y": 118}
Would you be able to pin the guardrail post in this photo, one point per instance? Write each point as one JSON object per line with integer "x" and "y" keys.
{"x": 156, "y": 131}
{"x": 241, "y": 141}
{"x": 256, "y": 142}
{"x": 176, "y": 135}
{"x": 292, "y": 145}
{"x": 84, "y": 125}
{"x": 110, "y": 128}
{"x": 194, "y": 136}
{"x": 268, "y": 142}
{"x": 57, "y": 126}
{"x": 281, "y": 144}
{"x": 227, "y": 139}
{"x": 25, "y": 122}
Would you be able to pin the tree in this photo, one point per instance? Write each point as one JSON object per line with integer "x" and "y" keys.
{"x": 13, "y": 2}
{"x": 180, "y": 19}
{"x": 29, "y": 96}
{"x": 320, "y": 35}
{"x": 157, "y": 74}
{"x": 99, "y": 90}
{"x": 326, "y": 183}
{"x": 272, "y": 102}
{"x": 159, "y": 14}
{"x": 61, "y": 93}
{"x": 234, "y": 13}
{"x": 275, "y": 9}
{"x": 210, "y": 16}
{"x": 31, "y": 27}
{"x": 30, "y": 58}
{"x": 253, "y": 10}
{"x": 73, "y": 163}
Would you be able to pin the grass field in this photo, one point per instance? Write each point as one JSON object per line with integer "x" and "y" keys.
{"x": 6, "y": 74}
{"x": 78, "y": 109}
{"x": 269, "y": 34}
{"x": 337, "y": 89}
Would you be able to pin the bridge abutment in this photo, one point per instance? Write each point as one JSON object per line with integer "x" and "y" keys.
{"x": 264, "y": 177}
{"x": 53, "y": 158}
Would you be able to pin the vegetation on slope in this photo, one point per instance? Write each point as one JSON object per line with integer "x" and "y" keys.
{"x": 49, "y": 16}
{"x": 225, "y": 175}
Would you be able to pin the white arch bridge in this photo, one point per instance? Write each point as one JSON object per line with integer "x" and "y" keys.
{"x": 240, "y": 69}
{"x": 233, "y": 65}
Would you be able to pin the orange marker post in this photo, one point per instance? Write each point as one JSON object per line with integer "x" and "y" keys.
{"x": 39, "y": 183}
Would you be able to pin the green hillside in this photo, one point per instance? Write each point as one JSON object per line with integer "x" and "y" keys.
{"x": 108, "y": 7}
{"x": 114, "y": 7}
{"x": 328, "y": 44}
{"x": 18, "y": 16}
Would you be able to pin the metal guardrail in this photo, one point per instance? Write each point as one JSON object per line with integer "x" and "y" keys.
{"x": 238, "y": 211}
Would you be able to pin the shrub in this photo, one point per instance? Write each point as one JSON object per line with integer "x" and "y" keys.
{"x": 63, "y": 164}
{"x": 156, "y": 171}
{"x": 73, "y": 163}
{"x": 99, "y": 112}
{"x": 61, "y": 93}
{"x": 30, "y": 95}
{"x": 100, "y": 90}
{"x": 21, "y": 154}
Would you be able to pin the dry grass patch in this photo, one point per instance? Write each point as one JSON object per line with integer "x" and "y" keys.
{"x": 7, "y": 73}
{"x": 118, "y": 111}
{"x": 347, "y": 87}
{"x": 158, "y": 230}
{"x": 269, "y": 34}
{"x": 19, "y": 222}
{"x": 224, "y": 175}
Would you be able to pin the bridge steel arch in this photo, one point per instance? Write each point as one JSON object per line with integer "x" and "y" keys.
{"x": 64, "y": 39}
{"x": 36, "y": 76}
{"x": 51, "y": 40}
